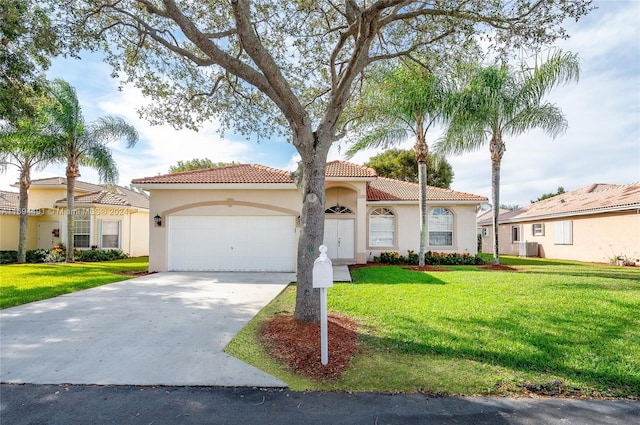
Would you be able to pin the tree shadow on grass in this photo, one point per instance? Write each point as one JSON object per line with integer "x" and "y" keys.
{"x": 557, "y": 345}
{"x": 393, "y": 275}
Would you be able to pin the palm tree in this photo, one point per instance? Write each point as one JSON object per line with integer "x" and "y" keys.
{"x": 24, "y": 143}
{"x": 404, "y": 101}
{"x": 497, "y": 101}
{"x": 84, "y": 144}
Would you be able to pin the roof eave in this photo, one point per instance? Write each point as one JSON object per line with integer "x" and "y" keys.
{"x": 566, "y": 214}
{"x": 349, "y": 179}
{"x": 227, "y": 186}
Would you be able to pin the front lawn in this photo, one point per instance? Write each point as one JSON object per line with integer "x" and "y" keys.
{"x": 24, "y": 283}
{"x": 551, "y": 327}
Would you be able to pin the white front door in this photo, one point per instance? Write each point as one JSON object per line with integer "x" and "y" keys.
{"x": 47, "y": 238}
{"x": 339, "y": 238}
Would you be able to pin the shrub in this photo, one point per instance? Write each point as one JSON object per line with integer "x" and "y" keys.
{"x": 430, "y": 258}
{"x": 37, "y": 255}
{"x": 7, "y": 257}
{"x": 98, "y": 255}
{"x": 54, "y": 256}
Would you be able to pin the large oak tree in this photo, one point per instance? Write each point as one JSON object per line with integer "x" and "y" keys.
{"x": 292, "y": 67}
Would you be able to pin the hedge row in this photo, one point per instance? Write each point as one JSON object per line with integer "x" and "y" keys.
{"x": 57, "y": 255}
{"x": 430, "y": 258}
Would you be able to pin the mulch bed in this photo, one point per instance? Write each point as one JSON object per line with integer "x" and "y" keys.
{"x": 297, "y": 345}
{"x": 135, "y": 273}
{"x": 500, "y": 267}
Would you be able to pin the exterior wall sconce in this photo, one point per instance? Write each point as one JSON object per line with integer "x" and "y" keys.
{"x": 158, "y": 220}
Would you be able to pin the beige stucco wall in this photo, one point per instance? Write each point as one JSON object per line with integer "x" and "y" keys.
{"x": 256, "y": 202}
{"x": 596, "y": 238}
{"x": 408, "y": 229}
{"x": 45, "y": 198}
{"x": 10, "y": 228}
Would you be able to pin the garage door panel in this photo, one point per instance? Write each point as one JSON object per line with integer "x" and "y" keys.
{"x": 229, "y": 243}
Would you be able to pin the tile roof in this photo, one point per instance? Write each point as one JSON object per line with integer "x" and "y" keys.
{"x": 9, "y": 202}
{"x": 593, "y": 198}
{"x": 384, "y": 189}
{"x": 348, "y": 169}
{"x": 62, "y": 182}
{"x": 118, "y": 196}
{"x": 237, "y": 173}
{"x": 379, "y": 188}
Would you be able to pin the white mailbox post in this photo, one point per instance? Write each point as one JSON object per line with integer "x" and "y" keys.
{"x": 323, "y": 279}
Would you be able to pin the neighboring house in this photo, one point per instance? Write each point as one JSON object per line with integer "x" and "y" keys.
{"x": 105, "y": 217}
{"x": 482, "y": 218}
{"x": 596, "y": 223}
{"x": 247, "y": 217}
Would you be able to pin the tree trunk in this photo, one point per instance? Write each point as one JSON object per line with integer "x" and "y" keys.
{"x": 25, "y": 183}
{"x": 312, "y": 229}
{"x": 72, "y": 173}
{"x": 497, "y": 148}
{"x": 422, "y": 181}
{"x": 422, "y": 153}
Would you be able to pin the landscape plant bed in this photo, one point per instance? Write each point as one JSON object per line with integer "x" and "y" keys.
{"x": 297, "y": 345}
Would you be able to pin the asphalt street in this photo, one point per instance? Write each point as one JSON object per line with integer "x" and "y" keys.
{"x": 154, "y": 405}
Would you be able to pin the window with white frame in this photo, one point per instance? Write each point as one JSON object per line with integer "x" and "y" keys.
{"x": 537, "y": 229}
{"x": 382, "y": 227}
{"x": 110, "y": 234}
{"x": 81, "y": 229}
{"x": 440, "y": 225}
{"x": 563, "y": 232}
{"x": 515, "y": 234}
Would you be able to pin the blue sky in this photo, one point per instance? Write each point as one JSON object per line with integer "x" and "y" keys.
{"x": 602, "y": 144}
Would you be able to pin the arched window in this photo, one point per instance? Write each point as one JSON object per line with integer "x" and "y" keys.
{"x": 382, "y": 227}
{"x": 440, "y": 227}
{"x": 338, "y": 209}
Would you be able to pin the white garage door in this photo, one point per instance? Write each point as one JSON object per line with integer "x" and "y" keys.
{"x": 230, "y": 243}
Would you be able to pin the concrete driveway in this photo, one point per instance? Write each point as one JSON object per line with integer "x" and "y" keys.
{"x": 159, "y": 329}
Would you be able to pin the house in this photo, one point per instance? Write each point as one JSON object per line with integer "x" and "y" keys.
{"x": 595, "y": 223}
{"x": 105, "y": 217}
{"x": 247, "y": 217}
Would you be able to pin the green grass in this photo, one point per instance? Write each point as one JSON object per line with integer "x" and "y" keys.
{"x": 473, "y": 331}
{"x": 24, "y": 283}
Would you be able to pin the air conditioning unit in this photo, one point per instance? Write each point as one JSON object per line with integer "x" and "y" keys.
{"x": 528, "y": 249}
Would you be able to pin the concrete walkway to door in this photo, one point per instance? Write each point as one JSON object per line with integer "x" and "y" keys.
{"x": 160, "y": 329}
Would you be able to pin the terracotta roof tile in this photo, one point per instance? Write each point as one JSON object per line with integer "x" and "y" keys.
{"x": 118, "y": 196}
{"x": 384, "y": 189}
{"x": 62, "y": 182}
{"x": 593, "y": 198}
{"x": 238, "y": 173}
{"x": 9, "y": 202}
{"x": 348, "y": 169}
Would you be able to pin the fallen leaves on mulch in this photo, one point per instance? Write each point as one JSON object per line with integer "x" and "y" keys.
{"x": 297, "y": 345}
{"x": 499, "y": 267}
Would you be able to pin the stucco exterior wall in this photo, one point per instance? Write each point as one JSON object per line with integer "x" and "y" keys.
{"x": 596, "y": 238}
{"x": 45, "y": 198}
{"x": 408, "y": 229}
{"x": 10, "y": 229}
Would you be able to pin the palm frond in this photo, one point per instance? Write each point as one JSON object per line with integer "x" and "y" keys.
{"x": 379, "y": 137}
{"x": 98, "y": 156}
